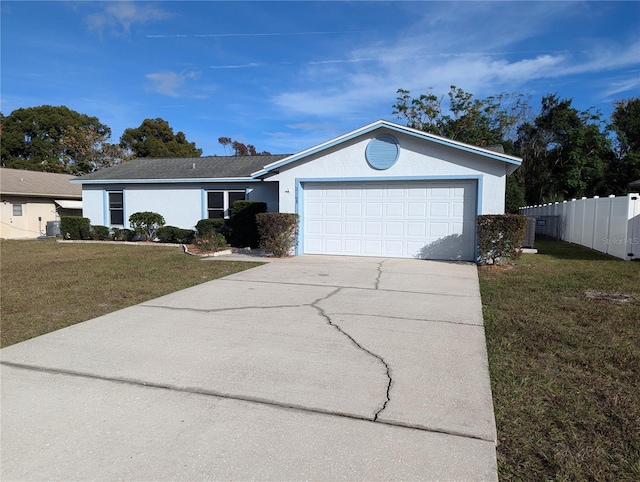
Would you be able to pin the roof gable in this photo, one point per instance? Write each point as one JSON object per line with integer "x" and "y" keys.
{"x": 511, "y": 161}
{"x": 38, "y": 184}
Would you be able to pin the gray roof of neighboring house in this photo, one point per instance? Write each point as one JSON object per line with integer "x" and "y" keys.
{"x": 209, "y": 167}
{"x": 634, "y": 185}
{"x": 38, "y": 184}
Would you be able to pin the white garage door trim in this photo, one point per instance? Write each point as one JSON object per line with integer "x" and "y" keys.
{"x": 430, "y": 218}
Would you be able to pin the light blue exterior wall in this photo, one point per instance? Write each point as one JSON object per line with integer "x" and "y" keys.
{"x": 181, "y": 205}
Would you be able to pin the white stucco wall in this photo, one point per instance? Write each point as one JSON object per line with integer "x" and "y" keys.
{"x": 181, "y": 204}
{"x": 418, "y": 159}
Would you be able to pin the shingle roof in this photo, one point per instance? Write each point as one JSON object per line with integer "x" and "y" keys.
{"x": 38, "y": 184}
{"x": 635, "y": 185}
{"x": 209, "y": 167}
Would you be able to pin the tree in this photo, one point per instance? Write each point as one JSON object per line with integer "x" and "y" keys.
{"x": 155, "y": 138}
{"x": 565, "y": 152}
{"x": 625, "y": 167}
{"x": 240, "y": 149}
{"x": 480, "y": 122}
{"x": 55, "y": 139}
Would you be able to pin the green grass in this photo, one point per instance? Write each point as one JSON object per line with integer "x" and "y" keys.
{"x": 565, "y": 369}
{"x": 47, "y": 285}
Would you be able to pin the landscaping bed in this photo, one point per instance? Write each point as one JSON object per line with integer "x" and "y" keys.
{"x": 563, "y": 338}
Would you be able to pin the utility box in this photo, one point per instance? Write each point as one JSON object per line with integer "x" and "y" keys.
{"x": 53, "y": 229}
{"x": 530, "y": 233}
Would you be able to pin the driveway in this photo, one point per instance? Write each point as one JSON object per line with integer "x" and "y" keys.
{"x": 313, "y": 367}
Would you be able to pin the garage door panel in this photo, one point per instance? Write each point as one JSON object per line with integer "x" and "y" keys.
{"x": 372, "y": 247}
{"x": 417, "y": 209}
{"x": 439, "y": 229}
{"x": 394, "y": 228}
{"x": 373, "y": 228}
{"x": 426, "y": 219}
{"x": 394, "y": 209}
{"x": 353, "y": 247}
{"x": 416, "y": 229}
{"x": 439, "y": 209}
{"x": 353, "y": 227}
{"x": 373, "y": 209}
{"x": 313, "y": 227}
{"x": 353, "y": 209}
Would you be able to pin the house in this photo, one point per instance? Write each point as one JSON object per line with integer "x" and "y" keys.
{"x": 31, "y": 199}
{"x": 380, "y": 190}
{"x": 634, "y": 186}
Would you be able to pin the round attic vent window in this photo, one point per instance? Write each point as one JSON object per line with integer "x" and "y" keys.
{"x": 382, "y": 152}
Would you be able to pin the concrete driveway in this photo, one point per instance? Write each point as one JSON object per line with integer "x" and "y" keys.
{"x": 314, "y": 367}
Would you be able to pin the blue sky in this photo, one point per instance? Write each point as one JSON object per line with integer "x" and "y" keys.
{"x": 285, "y": 76}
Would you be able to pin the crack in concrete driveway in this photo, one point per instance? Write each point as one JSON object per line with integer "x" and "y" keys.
{"x": 359, "y": 346}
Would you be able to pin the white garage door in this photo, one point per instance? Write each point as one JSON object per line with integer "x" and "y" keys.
{"x": 415, "y": 219}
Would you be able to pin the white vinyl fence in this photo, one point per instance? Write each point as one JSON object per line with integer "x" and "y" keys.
{"x": 610, "y": 225}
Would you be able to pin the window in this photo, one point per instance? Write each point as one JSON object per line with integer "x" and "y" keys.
{"x": 17, "y": 209}
{"x": 219, "y": 203}
{"x": 116, "y": 208}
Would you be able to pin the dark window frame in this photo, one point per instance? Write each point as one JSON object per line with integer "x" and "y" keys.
{"x": 116, "y": 209}
{"x": 223, "y": 211}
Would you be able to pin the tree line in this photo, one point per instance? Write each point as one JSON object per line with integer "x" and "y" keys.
{"x": 58, "y": 139}
{"x": 566, "y": 153}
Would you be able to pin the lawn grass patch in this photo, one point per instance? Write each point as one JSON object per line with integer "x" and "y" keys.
{"x": 564, "y": 366}
{"x": 48, "y": 285}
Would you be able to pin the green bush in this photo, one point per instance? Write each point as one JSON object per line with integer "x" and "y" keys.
{"x": 500, "y": 236}
{"x": 100, "y": 233}
{"x": 244, "y": 231}
{"x": 278, "y": 232}
{"x": 75, "y": 227}
{"x": 206, "y": 227}
{"x": 172, "y": 234}
{"x": 213, "y": 242}
{"x": 146, "y": 224}
{"x": 119, "y": 234}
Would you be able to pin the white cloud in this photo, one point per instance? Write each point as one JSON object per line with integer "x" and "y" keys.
{"x": 485, "y": 60}
{"x": 171, "y": 83}
{"x": 120, "y": 16}
{"x": 620, "y": 86}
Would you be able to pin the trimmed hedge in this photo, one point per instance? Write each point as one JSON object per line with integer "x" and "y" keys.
{"x": 244, "y": 230}
{"x": 75, "y": 227}
{"x": 173, "y": 234}
{"x": 120, "y": 234}
{"x": 100, "y": 233}
{"x": 207, "y": 227}
{"x": 500, "y": 236}
{"x": 278, "y": 232}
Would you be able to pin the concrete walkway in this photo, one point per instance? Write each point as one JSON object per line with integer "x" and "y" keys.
{"x": 315, "y": 368}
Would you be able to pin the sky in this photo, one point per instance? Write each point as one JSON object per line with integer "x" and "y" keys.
{"x": 286, "y": 76}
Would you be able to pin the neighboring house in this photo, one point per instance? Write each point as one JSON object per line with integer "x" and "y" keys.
{"x": 634, "y": 186}
{"x": 30, "y": 199}
{"x": 381, "y": 190}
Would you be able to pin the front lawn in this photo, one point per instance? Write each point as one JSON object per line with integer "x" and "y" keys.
{"x": 565, "y": 365}
{"x": 48, "y": 285}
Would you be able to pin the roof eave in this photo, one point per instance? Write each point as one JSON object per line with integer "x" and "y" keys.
{"x": 42, "y": 195}
{"x": 163, "y": 181}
